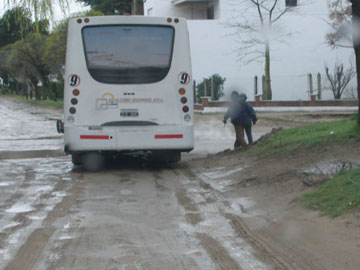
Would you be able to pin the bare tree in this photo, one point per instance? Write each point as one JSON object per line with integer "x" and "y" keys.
{"x": 339, "y": 79}
{"x": 252, "y": 33}
{"x": 351, "y": 93}
{"x": 345, "y": 16}
{"x": 340, "y": 22}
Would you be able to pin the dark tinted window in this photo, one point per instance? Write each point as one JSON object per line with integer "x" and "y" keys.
{"x": 291, "y": 3}
{"x": 128, "y": 54}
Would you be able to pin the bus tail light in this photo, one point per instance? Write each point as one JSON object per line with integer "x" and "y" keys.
{"x": 187, "y": 117}
{"x": 72, "y": 110}
{"x": 95, "y": 137}
{"x": 71, "y": 119}
{"x": 76, "y": 92}
{"x": 169, "y": 136}
{"x": 185, "y": 109}
{"x": 74, "y": 101}
{"x": 169, "y": 20}
{"x": 79, "y": 20}
{"x": 87, "y": 20}
{"x": 176, "y": 20}
{"x": 183, "y": 100}
{"x": 182, "y": 91}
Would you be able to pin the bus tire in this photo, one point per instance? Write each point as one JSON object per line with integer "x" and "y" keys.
{"x": 76, "y": 159}
{"x": 166, "y": 156}
{"x": 93, "y": 161}
{"x": 174, "y": 157}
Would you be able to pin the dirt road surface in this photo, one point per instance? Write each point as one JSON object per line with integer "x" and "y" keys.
{"x": 129, "y": 216}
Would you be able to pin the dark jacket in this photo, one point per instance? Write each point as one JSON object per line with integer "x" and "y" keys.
{"x": 241, "y": 113}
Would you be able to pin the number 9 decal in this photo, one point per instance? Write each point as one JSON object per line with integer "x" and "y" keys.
{"x": 184, "y": 78}
{"x": 74, "y": 80}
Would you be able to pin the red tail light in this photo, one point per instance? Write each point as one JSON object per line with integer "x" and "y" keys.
{"x": 76, "y": 92}
{"x": 72, "y": 110}
{"x": 185, "y": 109}
{"x": 79, "y": 20}
{"x": 74, "y": 101}
{"x": 183, "y": 100}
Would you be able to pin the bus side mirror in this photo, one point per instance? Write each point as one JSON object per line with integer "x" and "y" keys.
{"x": 60, "y": 126}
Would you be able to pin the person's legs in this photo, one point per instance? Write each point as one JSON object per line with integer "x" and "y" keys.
{"x": 240, "y": 140}
{"x": 249, "y": 134}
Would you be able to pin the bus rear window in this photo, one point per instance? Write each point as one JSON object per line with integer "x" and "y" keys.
{"x": 128, "y": 54}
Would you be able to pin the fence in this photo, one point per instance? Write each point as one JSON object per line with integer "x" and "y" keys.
{"x": 285, "y": 87}
{"x": 305, "y": 90}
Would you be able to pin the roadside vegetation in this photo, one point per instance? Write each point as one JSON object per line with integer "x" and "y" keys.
{"x": 58, "y": 104}
{"x": 336, "y": 196}
{"x": 314, "y": 136}
{"x": 33, "y": 55}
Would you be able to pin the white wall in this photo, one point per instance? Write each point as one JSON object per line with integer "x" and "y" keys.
{"x": 166, "y": 8}
{"x": 213, "y": 48}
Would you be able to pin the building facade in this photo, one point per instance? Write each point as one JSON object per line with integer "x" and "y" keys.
{"x": 298, "y": 43}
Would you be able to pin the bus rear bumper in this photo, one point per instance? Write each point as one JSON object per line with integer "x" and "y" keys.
{"x": 78, "y": 139}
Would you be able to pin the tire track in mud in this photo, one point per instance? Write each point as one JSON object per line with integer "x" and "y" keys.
{"x": 29, "y": 252}
{"x": 20, "y": 220}
{"x": 218, "y": 254}
{"x": 262, "y": 250}
{"x": 260, "y": 246}
{"x": 192, "y": 214}
{"x": 28, "y": 177}
{"x": 135, "y": 246}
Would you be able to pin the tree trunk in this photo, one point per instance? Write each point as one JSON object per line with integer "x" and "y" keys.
{"x": 355, "y": 22}
{"x": 267, "y": 95}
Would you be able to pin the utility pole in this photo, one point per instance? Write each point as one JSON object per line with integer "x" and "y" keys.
{"x": 310, "y": 83}
{"x": 255, "y": 85}
{"x": 205, "y": 89}
{"x": 319, "y": 86}
{"x": 194, "y": 91}
{"x": 134, "y": 7}
{"x": 212, "y": 88}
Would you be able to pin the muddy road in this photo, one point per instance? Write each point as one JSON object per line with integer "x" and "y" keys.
{"x": 129, "y": 216}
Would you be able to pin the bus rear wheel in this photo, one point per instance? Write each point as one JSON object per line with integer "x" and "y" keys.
{"x": 166, "y": 156}
{"x": 76, "y": 159}
{"x": 93, "y": 161}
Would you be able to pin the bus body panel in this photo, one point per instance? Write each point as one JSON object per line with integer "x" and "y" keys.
{"x": 131, "y": 138}
{"x": 103, "y": 109}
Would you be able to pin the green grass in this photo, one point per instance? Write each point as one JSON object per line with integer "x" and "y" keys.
{"x": 336, "y": 196}
{"x": 42, "y": 103}
{"x": 310, "y": 137}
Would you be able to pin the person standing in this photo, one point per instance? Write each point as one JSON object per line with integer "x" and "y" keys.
{"x": 242, "y": 116}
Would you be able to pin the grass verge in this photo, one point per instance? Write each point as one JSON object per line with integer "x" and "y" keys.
{"x": 42, "y": 103}
{"x": 336, "y": 196}
{"x": 310, "y": 136}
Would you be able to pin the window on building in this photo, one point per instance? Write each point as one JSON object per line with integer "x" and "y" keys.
{"x": 291, "y": 3}
{"x": 210, "y": 13}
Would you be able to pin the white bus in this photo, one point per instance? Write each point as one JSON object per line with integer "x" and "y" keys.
{"x": 128, "y": 87}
